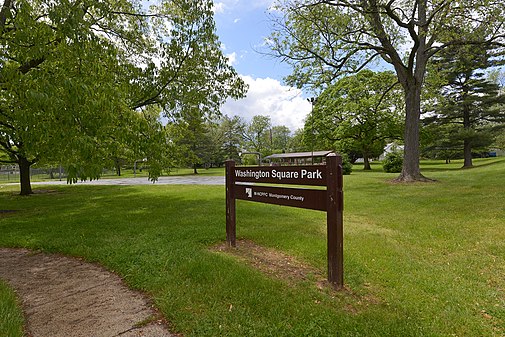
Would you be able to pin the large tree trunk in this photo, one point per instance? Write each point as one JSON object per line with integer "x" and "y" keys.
{"x": 366, "y": 163}
{"x": 118, "y": 167}
{"x": 467, "y": 154}
{"x": 24, "y": 176}
{"x": 411, "y": 171}
{"x": 467, "y": 149}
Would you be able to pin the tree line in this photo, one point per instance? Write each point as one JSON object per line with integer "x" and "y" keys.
{"x": 326, "y": 40}
{"x": 83, "y": 83}
{"x": 210, "y": 143}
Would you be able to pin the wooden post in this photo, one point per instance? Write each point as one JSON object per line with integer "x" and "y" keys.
{"x": 230, "y": 205}
{"x": 334, "y": 218}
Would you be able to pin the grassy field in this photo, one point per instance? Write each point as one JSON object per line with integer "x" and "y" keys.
{"x": 420, "y": 260}
{"x": 11, "y": 316}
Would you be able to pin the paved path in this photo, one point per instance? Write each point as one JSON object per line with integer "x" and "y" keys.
{"x": 67, "y": 297}
{"x": 170, "y": 180}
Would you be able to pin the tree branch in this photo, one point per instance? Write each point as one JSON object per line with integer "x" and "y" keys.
{"x": 25, "y": 68}
{"x": 6, "y": 7}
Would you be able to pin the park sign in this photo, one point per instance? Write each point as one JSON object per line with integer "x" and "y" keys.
{"x": 261, "y": 184}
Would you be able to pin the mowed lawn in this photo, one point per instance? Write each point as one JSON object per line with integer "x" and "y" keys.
{"x": 424, "y": 259}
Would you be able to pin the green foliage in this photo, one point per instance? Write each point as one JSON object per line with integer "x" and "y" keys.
{"x": 346, "y": 164}
{"x": 11, "y": 321}
{"x": 358, "y": 114}
{"x": 326, "y": 40}
{"x": 500, "y": 141}
{"x": 280, "y": 137}
{"x": 257, "y": 135}
{"x": 191, "y": 137}
{"x": 230, "y": 137}
{"x": 80, "y": 79}
{"x": 299, "y": 143}
{"x": 393, "y": 162}
{"x": 470, "y": 105}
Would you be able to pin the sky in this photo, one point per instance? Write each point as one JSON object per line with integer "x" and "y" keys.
{"x": 242, "y": 26}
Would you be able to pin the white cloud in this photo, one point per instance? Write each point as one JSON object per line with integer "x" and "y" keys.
{"x": 232, "y": 58}
{"x": 241, "y": 5}
{"x": 219, "y": 7}
{"x": 236, "y": 20}
{"x": 268, "y": 97}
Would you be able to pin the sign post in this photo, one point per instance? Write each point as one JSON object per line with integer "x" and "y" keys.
{"x": 240, "y": 185}
{"x": 231, "y": 222}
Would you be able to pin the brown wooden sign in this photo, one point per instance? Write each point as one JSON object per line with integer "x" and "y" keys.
{"x": 240, "y": 184}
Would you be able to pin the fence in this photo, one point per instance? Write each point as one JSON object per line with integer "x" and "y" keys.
{"x": 11, "y": 174}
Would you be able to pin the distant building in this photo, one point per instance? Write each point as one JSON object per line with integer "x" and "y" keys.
{"x": 496, "y": 153}
{"x": 298, "y": 158}
{"x": 391, "y": 147}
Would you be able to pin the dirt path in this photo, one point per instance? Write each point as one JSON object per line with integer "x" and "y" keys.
{"x": 67, "y": 297}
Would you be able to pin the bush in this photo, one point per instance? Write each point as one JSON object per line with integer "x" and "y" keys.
{"x": 393, "y": 162}
{"x": 346, "y": 164}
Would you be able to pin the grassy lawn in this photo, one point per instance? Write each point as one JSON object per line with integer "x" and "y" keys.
{"x": 11, "y": 317}
{"x": 420, "y": 260}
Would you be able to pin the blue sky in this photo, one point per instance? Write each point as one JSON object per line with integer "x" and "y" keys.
{"x": 242, "y": 27}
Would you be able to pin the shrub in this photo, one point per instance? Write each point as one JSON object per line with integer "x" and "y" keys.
{"x": 393, "y": 162}
{"x": 346, "y": 164}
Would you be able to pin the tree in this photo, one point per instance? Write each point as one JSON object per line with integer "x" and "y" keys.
{"x": 325, "y": 39}
{"x": 192, "y": 137}
{"x": 77, "y": 76}
{"x": 500, "y": 141}
{"x": 440, "y": 142}
{"x": 359, "y": 113}
{"x": 231, "y": 132}
{"x": 257, "y": 135}
{"x": 280, "y": 138}
{"x": 298, "y": 143}
{"x": 467, "y": 98}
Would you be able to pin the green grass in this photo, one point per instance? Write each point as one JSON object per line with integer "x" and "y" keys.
{"x": 420, "y": 260}
{"x": 11, "y": 317}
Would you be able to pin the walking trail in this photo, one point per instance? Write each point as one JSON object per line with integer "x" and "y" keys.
{"x": 68, "y": 297}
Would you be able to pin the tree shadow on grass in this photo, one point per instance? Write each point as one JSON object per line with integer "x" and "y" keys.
{"x": 452, "y": 167}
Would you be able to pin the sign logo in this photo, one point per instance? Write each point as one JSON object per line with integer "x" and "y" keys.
{"x": 249, "y": 192}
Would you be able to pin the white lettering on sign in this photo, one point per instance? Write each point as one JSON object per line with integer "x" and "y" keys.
{"x": 284, "y": 174}
{"x": 274, "y": 195}
{"x": 296, "y": 197}
{"x": 252, "y": 174}
{"x": 278, "y": 196}
{"x": 260, "y": 194}
{"x": 312, "y": 175}
{"x": 280, "y": 175}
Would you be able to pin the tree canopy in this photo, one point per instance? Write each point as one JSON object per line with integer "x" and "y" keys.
{"x": 77, "y": 76}
{"x": 359, "y": 114}
{"x": 467, "y": 99}
{"x": 326, "y": 39}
